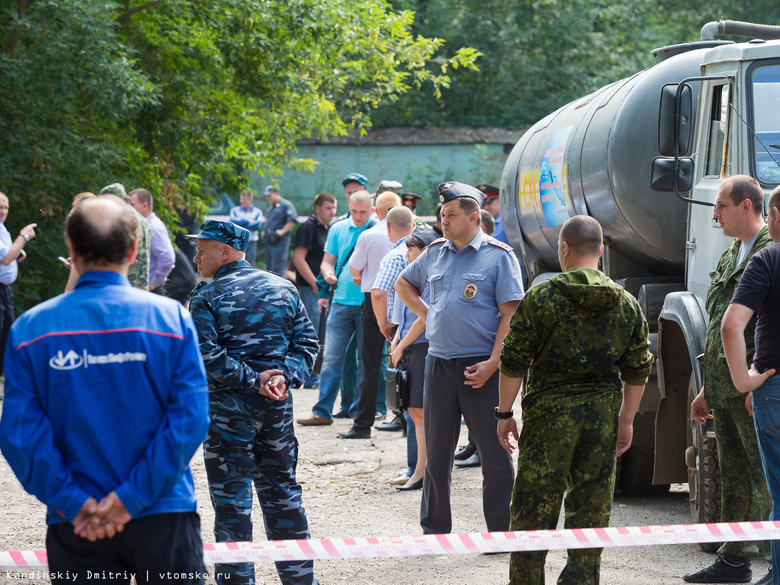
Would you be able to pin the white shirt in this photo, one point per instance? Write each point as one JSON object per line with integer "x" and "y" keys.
{"x": 371, "y": 247}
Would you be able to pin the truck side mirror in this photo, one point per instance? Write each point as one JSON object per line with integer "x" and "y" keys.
{"x": 666, "y": 120}
{"x": 662, "y": 174}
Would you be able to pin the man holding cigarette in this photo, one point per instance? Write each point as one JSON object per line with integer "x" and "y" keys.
{"x": 256, "y": 341}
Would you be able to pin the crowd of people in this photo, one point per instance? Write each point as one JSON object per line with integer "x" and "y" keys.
{"x": 441, "y": 307}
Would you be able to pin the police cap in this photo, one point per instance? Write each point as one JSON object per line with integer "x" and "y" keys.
{"x": 490, "y": 191}
{"x": 453, "y": 190}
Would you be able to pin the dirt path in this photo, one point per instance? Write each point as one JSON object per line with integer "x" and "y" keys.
{"x": 346, "y": 494}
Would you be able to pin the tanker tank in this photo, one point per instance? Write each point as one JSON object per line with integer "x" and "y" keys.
{"x": 594, "y": 156}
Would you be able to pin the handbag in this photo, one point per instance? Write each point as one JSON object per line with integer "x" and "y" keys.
{"x": 397, "y": 389}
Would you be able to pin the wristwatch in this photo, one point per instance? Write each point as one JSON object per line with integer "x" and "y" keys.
{"x": 26, "y": 237}
{"x": 500, "y": 415}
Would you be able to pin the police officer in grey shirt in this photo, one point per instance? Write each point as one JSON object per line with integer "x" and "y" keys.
{"x": 475, "y": 287}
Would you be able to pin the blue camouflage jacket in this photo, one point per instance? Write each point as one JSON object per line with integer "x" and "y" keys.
{"x": 249, "y": 321}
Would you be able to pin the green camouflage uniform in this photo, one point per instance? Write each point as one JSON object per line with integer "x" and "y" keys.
{"x": 580, "y": 334}
{"x": 138, "y": 272}
{"x": 744, "y": 495}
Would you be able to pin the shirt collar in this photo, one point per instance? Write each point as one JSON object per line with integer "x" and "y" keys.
{"x": 231, "y": 266}
{"x": 475, "y": 243}
{"x": 99, "y": 277}
{"x": 400, "y": 242}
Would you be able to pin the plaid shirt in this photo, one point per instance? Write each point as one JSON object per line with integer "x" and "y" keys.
{"x": 390, "y": 267}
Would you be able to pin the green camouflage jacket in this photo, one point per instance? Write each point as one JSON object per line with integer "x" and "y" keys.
{"x": 138, "y": 272}
{"x": 723, "y": 283}
{"x": 580, "y": 334}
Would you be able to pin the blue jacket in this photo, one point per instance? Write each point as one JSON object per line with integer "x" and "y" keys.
{"x": 105, "y": 391}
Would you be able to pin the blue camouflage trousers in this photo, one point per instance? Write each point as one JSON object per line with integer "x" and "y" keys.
{"x": 250, "y": 439}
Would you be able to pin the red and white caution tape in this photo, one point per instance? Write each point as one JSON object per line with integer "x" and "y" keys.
{"x": 445, "y": 544}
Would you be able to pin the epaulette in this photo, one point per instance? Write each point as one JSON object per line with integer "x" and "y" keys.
{"x": 439, "y": 241}
{"x": 499, "y": 244}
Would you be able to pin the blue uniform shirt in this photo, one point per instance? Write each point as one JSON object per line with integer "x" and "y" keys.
{"x": 466, "y": 289}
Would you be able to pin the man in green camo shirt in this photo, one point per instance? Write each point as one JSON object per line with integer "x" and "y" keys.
{"x": 580, "y": 334}
{"x": 739, "y": 210}
{"x": 138, "y": 272}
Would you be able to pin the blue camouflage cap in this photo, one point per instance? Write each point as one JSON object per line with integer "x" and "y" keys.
{"x": 222, "y": 231}
{"x": 453, "y": 190}
{"x": 355, "y": 178}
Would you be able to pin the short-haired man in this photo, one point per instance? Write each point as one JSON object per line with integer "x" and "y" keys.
{"x": 475, "y": 287}
{"x": 579, "y": 333}
{"x": 307, "y": 258}
{"x": 371, "y": 247}
{"x": 138, "y": 271}
{"x": 280, "y": 218}
{"x": 758, "y": 293}
{"x": 105, "y": 405}
{"x": 344, "y": 317}
{"x": 11, "y": 253}
{"x": 256, "y": 341}
{"x": 161, "y": 255}
{"x": 353, "y": 183}
{"x": 250, "y": 218}
{"x": 739, "y": 209}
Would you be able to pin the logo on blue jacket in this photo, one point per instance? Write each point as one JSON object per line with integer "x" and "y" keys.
{"x": 69, "y": 361}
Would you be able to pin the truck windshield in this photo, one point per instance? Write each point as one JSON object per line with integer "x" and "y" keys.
{"x": 765, "y": 93}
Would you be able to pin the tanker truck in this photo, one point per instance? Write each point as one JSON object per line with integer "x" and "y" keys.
{"x": 645, "y": 157}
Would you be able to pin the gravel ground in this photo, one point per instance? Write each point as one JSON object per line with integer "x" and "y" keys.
{"x": 346, "y": 494}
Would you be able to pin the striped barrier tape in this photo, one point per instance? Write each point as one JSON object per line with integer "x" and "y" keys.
{"x": 445, "y": 544}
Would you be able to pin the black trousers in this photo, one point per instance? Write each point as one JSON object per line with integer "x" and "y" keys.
{"x": 6, "y": 319}
{"x": 157, "y": 550}
{"x": 373, "y": 343}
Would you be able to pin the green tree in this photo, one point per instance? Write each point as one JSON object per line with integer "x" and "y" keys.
{"x": 185, "y": 97}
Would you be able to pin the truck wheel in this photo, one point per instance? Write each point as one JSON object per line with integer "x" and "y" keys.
{"x": 701, "y": 457}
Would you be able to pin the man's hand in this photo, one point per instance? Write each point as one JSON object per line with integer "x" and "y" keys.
{"x": 314, "y": 289}
{"x": 275, "y": 388}
{"x": 749, "y": 404}
{"x": 323, "y": 304}
{"x": 507, "y": 427}
{"x": 387, "y": 329}
{"x": 479, "y": 373}
{"x": 755, "y": 379}
{"x": 101, "y": 520}
{"x": 28, "y": 230}
{"x": 356, "y": 280}
{"x": 22, "y": 255}
{"x": 625, "y": 434}
{"x": 330, "y": 277}
{"x": 699, "y": 410}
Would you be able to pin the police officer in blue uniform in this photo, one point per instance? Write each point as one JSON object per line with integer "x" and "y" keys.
{"x": 256, "y": 341}
{"x": 475, "y": 287}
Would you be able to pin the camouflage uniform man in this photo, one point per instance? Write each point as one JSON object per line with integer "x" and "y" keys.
{"x": 744, "y": 495}
{"x": 579, "y": 333}
{"x": 256, "y": 341}
{"x": 138, "y": 272}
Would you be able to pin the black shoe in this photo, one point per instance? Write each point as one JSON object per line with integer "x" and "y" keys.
{"x": 388, "y": 426}
{"x": 408, "y": 488}
{"x": 355, "y": 433}
{"x": 473, "y": 461}
{"x": 721, "y": 572}
{"x": 766, "y": 579}
{"x": 342, "y": 414}
{"x": 465, "y": 452}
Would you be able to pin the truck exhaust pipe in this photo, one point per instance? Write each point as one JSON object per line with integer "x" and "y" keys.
{"x": 740, "y": 29}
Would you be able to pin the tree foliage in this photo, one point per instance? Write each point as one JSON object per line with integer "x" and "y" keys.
{"x": 541, "y": 54}
{"x": 185, "y": 97}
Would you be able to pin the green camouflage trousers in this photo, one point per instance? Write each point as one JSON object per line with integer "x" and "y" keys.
{"x": 744, "y": 495}
{"x": 571, "y": 450}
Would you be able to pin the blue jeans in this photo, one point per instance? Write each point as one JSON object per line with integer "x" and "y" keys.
{"x": 766, "y": 418}
{"x": 343, "y": 323}
{"x": 309, "y": 300}
{"x": 411, "y": 443}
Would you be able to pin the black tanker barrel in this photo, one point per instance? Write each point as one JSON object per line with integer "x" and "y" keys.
{"x": 594, "y": 156}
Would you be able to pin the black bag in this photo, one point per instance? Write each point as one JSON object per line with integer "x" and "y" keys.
{"x": 397, "y": 390}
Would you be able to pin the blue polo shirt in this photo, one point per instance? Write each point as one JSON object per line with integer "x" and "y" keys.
{"x": 466, "y": 289}
{"x": 342, "y": 237}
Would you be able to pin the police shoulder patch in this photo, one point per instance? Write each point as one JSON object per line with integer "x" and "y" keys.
{"x": 500, "y": 244}
{"x": 439, "y": 241}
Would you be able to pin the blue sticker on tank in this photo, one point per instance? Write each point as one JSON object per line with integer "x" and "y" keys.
{"x": 551, "y": 179}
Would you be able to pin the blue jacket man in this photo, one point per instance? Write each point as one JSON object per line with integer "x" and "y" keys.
{"x": 256, "y": 341}
{"x": 105, "y": 405}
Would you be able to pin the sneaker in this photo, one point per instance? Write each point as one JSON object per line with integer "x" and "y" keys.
{"x": 767, "y": 579}
{"x": 721, "y": 572}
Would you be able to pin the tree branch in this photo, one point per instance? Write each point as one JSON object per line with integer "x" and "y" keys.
{"x": 125, "y": 19}
{"x": 16, "y": 37}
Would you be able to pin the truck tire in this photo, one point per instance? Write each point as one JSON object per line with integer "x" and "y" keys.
{"x": 701, "y": 457}
{"x": 635, "y": 468}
